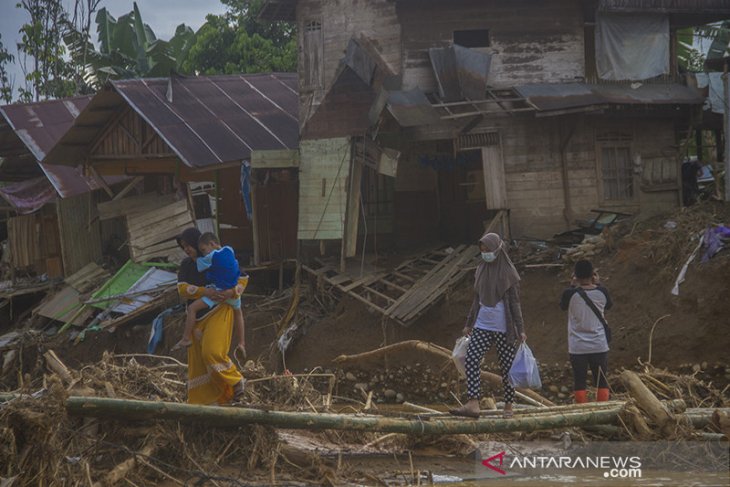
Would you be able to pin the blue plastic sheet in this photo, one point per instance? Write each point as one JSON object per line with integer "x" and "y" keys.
{"x": 524, "y": 372}
{"x": 246, "y": 189}
{"x": 156, "y": 333}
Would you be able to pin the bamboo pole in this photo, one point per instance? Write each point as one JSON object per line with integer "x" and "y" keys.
{"x": 494, "y": 379}
{"x": 134, "y": 410}
{"x": 648, "y": 402}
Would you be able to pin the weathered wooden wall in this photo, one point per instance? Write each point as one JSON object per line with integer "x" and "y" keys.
{"x": 534, "y": 178}
{"x": 341, "y": 20}
{"x": 129, "y": 135}
{"x": 275, "y": 204}
{"x": 80, "y": 232}
{"x": 533, "y": 161}
{"x": 533, "y": 41}
{"x": 323, "y": 174}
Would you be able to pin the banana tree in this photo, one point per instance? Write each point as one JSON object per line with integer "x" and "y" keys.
{"x": 128, "y": 48}
{"x": 692, "y": 59}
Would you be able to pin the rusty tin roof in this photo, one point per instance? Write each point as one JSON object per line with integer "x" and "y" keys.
{"x": 33, "y": 129}
{"x": 205, "y": 120}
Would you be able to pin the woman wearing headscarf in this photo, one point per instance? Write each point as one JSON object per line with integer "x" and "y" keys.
{"x": 495, "y": 318}
{"x": 212, "y": 376}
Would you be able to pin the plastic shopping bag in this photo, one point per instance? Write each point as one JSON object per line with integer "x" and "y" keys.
{"x": 459, "y": 355}
{"x": 524, "y": 371}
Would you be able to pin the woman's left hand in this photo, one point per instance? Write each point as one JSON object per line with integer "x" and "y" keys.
{"x": 524, "y": 337}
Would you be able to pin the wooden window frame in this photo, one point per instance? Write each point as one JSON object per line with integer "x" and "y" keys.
{"x": 635, "y": 187}
{"x": 306, "y": 69}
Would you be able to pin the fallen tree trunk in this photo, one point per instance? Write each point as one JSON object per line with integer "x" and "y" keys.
{"x": 133, "y": 410}
{"x": 410, "y": 345}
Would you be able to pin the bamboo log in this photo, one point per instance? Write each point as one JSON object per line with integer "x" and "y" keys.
{"x": 120, "y": 471}
{"x": 703, "y": 417}
{"x": 57, "y": 366}
{"x": 494, "y": 379}
{"x": 648, "y": 402}
{"x": 134, "y": 410}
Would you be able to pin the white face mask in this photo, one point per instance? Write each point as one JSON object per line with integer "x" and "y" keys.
{"x": 489, "y": 256}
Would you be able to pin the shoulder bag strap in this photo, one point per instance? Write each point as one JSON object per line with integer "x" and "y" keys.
{"x": 592, "y": 305}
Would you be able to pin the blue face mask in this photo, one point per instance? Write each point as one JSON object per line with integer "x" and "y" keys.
{"x": 489, "y": 256}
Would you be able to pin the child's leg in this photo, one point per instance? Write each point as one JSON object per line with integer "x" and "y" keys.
{"x": 192, "y": 311}
{"x": 238, "y": 325}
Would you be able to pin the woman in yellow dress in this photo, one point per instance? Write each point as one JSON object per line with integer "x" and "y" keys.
{"x": 212, "y": 376}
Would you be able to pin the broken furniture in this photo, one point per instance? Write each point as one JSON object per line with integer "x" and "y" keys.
{"x": 406, "y": 292}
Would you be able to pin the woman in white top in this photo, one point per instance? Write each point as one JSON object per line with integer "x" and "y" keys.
{"x": 495, "y": 317}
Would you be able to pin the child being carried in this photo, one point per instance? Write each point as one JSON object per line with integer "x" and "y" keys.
{"x": 222, "y": 273}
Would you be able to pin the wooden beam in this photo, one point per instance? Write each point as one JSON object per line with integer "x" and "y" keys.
{"x": 101, "y": 181}
{"x": 269, "y": 159}
{"x": 130, "y": 157}
{"x": 129, "y": 187}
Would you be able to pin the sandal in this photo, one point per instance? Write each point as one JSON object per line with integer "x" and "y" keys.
{"x": 463, "y": 412}
{"x": 508, "y": 414}
{"x": 239, "y": 392}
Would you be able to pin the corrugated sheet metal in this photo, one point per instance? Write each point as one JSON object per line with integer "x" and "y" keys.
{"x": 412, "y": 108}
{"x": 39, "y": 126}
{"x": 323, "y": 173}
{"x": 672, "y": 6}
{"x": 547, "y": 96}
{"x": 205, "y": 120}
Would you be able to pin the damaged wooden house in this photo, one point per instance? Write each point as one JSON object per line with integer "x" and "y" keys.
{"x": 49, "y": 229}
{"x": 429, "y": 121}
{"x": 218, "y": 152}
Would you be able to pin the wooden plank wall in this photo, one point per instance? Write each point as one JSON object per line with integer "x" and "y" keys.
{"x": 324, "y": 169}
{"x": 341, "y": 20}
{"x": 130, "y": 135}
{"x": 80, "y": 231}
{"x": 276, "y": 216}
{"x": 535, "y": 42}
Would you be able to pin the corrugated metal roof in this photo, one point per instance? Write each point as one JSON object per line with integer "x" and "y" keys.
{"x": 557, "y": 96}
{"x": 205, "y": 120}
{"x": 671, "y": 6}
{"x": 412, "y": 108}
{"x": 39, "y": 126}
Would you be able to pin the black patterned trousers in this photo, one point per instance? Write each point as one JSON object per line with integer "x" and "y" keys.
{"x": 479, "y": 344}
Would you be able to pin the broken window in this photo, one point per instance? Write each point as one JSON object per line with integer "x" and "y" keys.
{"x": 617, "y": 173}
{"x": 472, "y": 38}
{"x": 312, "y": 55}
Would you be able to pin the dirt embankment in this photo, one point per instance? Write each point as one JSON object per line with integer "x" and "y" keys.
{"x": 639, "y": 273}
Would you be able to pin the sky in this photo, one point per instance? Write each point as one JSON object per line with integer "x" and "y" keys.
{"x": 162, "y": 15}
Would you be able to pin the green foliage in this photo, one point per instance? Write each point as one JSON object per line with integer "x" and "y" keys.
{"x": 42, "y": 54}
{"x": 237, "y": 42}
{"x": 128, "y": 48}
{"x": 6, "y": 86}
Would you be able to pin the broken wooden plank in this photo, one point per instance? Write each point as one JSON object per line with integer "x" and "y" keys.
{"x": 64, "y": 306}
{"x": 87, "y": 277}
{"x": 133, "y": 204}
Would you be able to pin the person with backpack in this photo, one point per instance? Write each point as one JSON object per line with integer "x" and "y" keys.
{"x": 588, "y": 333}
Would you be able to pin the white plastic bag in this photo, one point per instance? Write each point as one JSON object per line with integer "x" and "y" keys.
{"x": 524, "y": 371}
{"x": 459, "y": 355}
